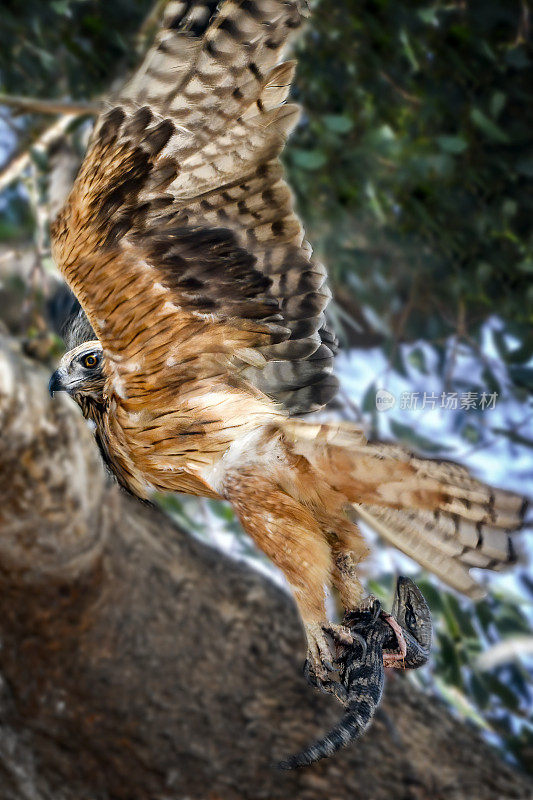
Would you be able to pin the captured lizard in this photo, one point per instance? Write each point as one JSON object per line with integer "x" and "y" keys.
{"x": 400, "y": 639}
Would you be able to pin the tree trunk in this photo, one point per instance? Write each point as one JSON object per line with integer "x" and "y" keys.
{"x": 139, "y": 663}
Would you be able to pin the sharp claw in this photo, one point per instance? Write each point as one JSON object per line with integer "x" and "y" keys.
{"x": 362, "y": 642}
{"x": 309, "y": 675}
{"x": 339, "y": 633}
{"x": 320, "y": 654}
{"x": 327, "y": 686}
{"x": 370, "y": 603}
{"x": 316, "y": 679}
{"x": 340, "y": 693}
{"x": 337, "y": 690}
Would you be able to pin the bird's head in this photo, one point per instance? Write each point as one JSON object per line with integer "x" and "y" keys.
{"x": 80, "y": 372}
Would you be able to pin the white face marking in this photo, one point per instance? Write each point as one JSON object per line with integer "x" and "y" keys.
{"x": 75, "y": 376}
{"x": 87, "y": 347}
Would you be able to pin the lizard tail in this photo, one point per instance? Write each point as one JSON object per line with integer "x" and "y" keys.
{"x": 351, "y": 727}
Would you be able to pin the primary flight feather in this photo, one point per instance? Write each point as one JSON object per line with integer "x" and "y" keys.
{"x": 180, "y": 241}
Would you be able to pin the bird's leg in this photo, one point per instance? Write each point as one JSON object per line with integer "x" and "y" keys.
{"x": 320, "y": 654}
{"x": 348, "y": 549}
{"x": 327, "y": 685}
{"x": 290, "y": 536}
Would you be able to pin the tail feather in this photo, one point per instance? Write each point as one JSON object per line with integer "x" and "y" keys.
{"x": 438, "y": 550}
{"x": 434, "y": 511}
{"x": 455, "y": 490}
{"x": 414, "y": 544}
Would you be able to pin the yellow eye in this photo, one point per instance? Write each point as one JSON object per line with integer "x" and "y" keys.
{"x": 90, "y": 361}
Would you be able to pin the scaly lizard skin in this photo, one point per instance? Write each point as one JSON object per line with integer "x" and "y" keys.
{"x": 361, "y": 665}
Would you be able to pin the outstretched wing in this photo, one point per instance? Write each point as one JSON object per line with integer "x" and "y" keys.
{"x": 179, "y": 237}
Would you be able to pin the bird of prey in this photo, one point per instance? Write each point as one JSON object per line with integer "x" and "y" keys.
{"x": 209, "y": 336}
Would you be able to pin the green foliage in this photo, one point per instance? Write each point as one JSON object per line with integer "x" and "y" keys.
{"x": 501, "y": 694}
{"x": 412, "y": 169}
{"x": 66, "y": 48}
{"x": 414, "y": 159}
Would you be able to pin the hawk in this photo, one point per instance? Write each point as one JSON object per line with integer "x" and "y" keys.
{"x": 208, "y": 336}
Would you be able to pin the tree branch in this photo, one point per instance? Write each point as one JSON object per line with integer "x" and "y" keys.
{"x": 36, "y": 105}
{"x": 55, "y": 501}
{"x": 138, "y": 662}
{"x": 21, "y": 160}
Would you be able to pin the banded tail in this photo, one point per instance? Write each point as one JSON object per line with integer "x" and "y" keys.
{"x": 352, "y": 727}
{"x": 434, "y": 511}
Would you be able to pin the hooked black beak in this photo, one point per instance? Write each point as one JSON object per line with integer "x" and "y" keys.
{"x": 55, "y": 384}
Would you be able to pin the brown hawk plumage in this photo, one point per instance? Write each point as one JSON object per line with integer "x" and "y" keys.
{"x": 180, "y": 241}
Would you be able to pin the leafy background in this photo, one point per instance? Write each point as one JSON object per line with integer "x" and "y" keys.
{"x": 412, "y": 169}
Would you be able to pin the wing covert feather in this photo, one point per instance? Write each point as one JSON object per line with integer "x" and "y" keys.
{"x": 181, "y": 211}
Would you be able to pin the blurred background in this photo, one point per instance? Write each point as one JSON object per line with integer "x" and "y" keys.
{"x": 412, "y": 170}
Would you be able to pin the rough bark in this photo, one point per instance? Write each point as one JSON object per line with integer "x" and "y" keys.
{"x": 138, "y": 663}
